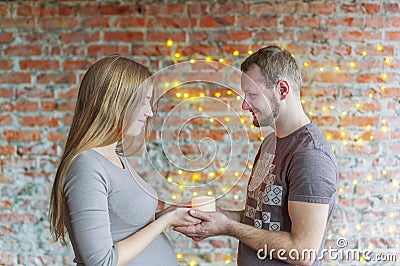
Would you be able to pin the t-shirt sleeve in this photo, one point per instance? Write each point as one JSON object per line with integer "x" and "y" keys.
{"x": 86, "y": 191}
{"x": 312, "y": 177}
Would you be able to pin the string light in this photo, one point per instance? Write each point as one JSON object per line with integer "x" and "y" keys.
{"x": 202, "y": 94}
{"x": 169, "y": 43}
{"x": 227, "y": 119}
{"x": 221, "y": 60}
{"x": 370, "y": 177}
{"x": 177, "y": 55}
{"x": 217, "y": 94}
{"x": 208, "y": 59}
{"x": 200, "y": 109}
{"x": 384, "y": 76}
{"x": 195, "y": 194}
{"x": 186, "y": 95}
{"x": 379, "y": 47}
{"x": 236, "y": 53}
{"x": 364, "y": 53}
{"x": 321, "y": 69}
{"x": 306, "y": 64}
{"x": 196, "y": 177}
{"x": 180, "y": 172}
{"x": 178, "y": 94}
{"x": 337, "y": 68}
{"x": 229, "y": 92}
{"x": 211, "y": 120}
{"x": 170, "y": 179}
{"x": 250, "y": 52}
{"x": 193, "y": 262}
{"x": 192, "y": 61}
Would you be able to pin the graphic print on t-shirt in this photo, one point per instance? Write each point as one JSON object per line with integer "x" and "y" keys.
{"x": 263, "y": 193}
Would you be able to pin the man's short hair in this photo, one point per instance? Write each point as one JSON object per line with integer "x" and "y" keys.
{"x": 275, "y": 64}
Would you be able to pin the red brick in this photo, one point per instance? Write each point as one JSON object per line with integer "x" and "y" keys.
{"x": 390, "y": 93}
{"x": 177, "y": 22}
{"x": 344, "y": 22}
{"x": 273, "y": 35}
{"x": 290, "y": 21}
{"x": 96, "y": 22}
{"x": 392, "y": 35}
{"x": 199, "y": 36}
{"x": 317, "y": 8}
{"x": 32, "y": 121}
{"x": 163, "y": 9}
{"x": 34, "y": 93}
{"x": 333, "y": 77}
{"x": 22, "y": 135}
{"x": 375, "y": 22}
{"x": 151, "y": 50}
{"x": 164, "y": 36}
{"x": 317, "y": 36}
{"x": 360, "y": 121}
{"x": 82, "y": 10}
{"x": 228, "y": 8}
{"x": 70, "y": 93}
{"x": 372, "y": 78}
{"x": 5, "y": 64}
{"x": 119, "y": 9}
{"x": 6, "y": 37}
{"x": 20, "y": 218}
{"x": 262, "y": 9}
{"x": 372, "y": 8}
{"x": 196, "y": 9}
{"x": 80, "y": 37}
{"x": 39, "y": 11}
{"x": 387, "y": 50}
{"x": 7, "y": 106}
{"x": 56, "y": 79}
{"x": 105, "y": 50}
{"x": 51, "y": 23}
{"x": 217, "y": 22}
{"x": 57, "y": 136}
{"x": 204, "y": 50}
{"x": 6, "y": 93}
{"x": 342, "y": 50}
{"x": 25, "y": 50}
{"x": 360, "y": 36}
{"x": 37, "y": 150}
{"x": 15, "y": 78}
{"x": 4, "y": 9}
{"x": 257, "y": 22}
{"x": 68, "y": 106}
{"x": 76, "y": 64}
{"x": 6, "y": 120}
{"x": 122, "y": 36}
{"x": 391, "y": 8}
{"x": 38, "y": 64}
{"x": 17, "y": 23}
{"x": 27, "y": 106}
{"x": 393, "y": 22}
{"x": 129, "y": 22}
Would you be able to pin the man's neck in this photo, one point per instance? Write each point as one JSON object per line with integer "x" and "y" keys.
{"x": 284, "y": 126}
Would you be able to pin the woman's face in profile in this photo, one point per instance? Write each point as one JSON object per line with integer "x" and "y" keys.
{"x": 136, "y": 128}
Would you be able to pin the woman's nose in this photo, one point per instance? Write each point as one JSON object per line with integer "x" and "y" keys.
{"x": 149, "y": 113}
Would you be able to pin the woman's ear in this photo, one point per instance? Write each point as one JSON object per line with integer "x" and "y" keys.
{"x": 284, "y": 89}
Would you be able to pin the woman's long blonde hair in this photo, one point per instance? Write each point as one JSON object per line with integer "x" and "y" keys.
{"x": 112, "y": 87}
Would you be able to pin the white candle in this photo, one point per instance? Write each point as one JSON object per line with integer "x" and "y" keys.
{"x": 204, "y": 203}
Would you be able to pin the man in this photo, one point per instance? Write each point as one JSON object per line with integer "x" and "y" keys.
{"x": 291, "y": 191}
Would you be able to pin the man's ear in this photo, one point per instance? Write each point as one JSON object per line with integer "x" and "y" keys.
{"x": 284, "y": 89}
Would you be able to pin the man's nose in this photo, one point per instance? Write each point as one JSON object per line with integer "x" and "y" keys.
{"x": 245, "y": 105}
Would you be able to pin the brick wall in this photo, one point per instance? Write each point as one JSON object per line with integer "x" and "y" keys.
{"x": 350, "y": 55}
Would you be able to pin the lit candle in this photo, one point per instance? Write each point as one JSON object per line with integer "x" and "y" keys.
{"x": 204, "y": 203}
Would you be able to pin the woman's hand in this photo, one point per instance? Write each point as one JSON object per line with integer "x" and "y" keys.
{"x": 186, "y": 204}
{"x": 181, "y": 217}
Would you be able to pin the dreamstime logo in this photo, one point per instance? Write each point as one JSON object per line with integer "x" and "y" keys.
{"x": 341, "y": 253}
{"x": 201, "y": 144}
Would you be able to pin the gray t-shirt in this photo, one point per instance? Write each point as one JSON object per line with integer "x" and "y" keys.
{"x": 298, "y": 167}
{"x": 106, "y": 204}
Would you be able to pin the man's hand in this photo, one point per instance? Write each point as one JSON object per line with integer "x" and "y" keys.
{"x": 213, "y": 224}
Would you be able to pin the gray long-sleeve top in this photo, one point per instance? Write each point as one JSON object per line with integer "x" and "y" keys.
{"x": 106, "y": 204}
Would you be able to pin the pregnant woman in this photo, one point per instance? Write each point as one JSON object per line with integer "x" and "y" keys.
{"x": 107, "y": 209}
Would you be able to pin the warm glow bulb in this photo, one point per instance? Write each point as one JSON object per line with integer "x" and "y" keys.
{"x": 192, "y": 61}
{"x": 202, "y": 94}
{"x": 364, "y": 53}
{"x": 208, "y": 58}
{"x": 305, "y": 64}
{"x": 236, "y": 53}
{"x": 250, "y": 52}
{"x": 178, "y": 94}
{"x": 177, "y": 55}
{"x": 221, "y": 60}
{"x": 217, "y": 94}
{"x": 169, "y": 43}
{"x": 379, "y": 47}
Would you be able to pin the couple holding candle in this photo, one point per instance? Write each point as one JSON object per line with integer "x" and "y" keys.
{"x": 111, "y": 220}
